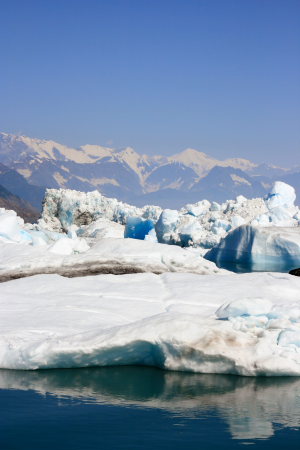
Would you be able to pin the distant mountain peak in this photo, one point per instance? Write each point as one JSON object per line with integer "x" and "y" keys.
{"x": 202, "y": 163}
{"x": 191, "y": 153}
{"x": 198, "y": 161}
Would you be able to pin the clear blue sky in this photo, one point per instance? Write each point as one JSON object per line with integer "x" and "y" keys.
{"x": 222, "y": 76}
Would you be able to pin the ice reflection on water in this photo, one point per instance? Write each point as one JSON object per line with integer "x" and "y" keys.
{"x": 250, "y": 406}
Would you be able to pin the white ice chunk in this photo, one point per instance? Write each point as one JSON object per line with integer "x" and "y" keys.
{"x": 237, "y": 221}
{"x": 245, "y": 306}
{"x": 289, "y": 338}
{"x": 166, "y": 225}
{"x": 241, "y": 199}
{"x": 151, "y": 236}
{"x": 12, "y": 227}
{"x": 281, "y": 194}
{"x": 63, "y": 246}
{"x": 67, "y": 246}
{"x": 102, "y": 229}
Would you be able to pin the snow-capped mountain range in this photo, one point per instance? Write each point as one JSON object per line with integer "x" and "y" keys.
{"x": 123, "y": 173}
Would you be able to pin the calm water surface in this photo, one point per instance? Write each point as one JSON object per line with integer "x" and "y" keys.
{"x": 280, "y": 266}
{"x": 146, "y": 408}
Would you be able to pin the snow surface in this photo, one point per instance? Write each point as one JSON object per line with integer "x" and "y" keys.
{"x": 239, "y": 324}
{"x": 112, "y": 255}
{"x": 98, "y": 247}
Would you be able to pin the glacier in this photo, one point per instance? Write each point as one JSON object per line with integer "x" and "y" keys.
{"x": 245, "y": 324}
{"x": 202, "y": 224}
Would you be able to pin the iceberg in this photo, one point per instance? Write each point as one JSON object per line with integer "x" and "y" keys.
{"x": 65, "y": 207}
{"x": 166, "y": 226}
{"x": 12, "y": 227}
{"x": 259, "y": 248}
{"x": 101, "y": 229}
{"x": 175, "y": 321}
{"x": 282, "y": 195}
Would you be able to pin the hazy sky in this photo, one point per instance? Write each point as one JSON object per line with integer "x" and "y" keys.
{"x": 222, "y": 76}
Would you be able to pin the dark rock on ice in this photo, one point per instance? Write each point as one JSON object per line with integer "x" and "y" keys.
{"x": 295, "y": 272}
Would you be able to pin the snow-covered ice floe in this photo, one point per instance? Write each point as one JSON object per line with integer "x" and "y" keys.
{"x": 237, "y": 324}
{"x": 116, "y": 256}
{"x": 99, "y": 247}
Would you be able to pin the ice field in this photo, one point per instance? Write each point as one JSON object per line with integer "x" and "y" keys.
{"x": 160, "y": 312}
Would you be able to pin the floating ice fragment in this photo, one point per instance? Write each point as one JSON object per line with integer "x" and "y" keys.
{"x": 151, "y": 236}
{"x": 244, "y": 307}
{"x": 289, "y": 337}
{"x": 11, "y": 227}
{"x": 237, "y": 221}
{"x": 166, "y": 224}
{"x": 67, "y": 246}
{"x": 281, "y": 194}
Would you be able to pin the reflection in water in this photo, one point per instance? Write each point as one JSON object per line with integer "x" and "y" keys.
{"x": 271, "y": 266}
{"x": 249, "y": 405}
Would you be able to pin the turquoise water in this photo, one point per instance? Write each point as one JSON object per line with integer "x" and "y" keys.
{"x": 146, "y": 408}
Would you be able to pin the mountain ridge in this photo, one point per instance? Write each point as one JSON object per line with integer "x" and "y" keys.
{"x": 90, "y": 153}
{"x": 130, "y": 176}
